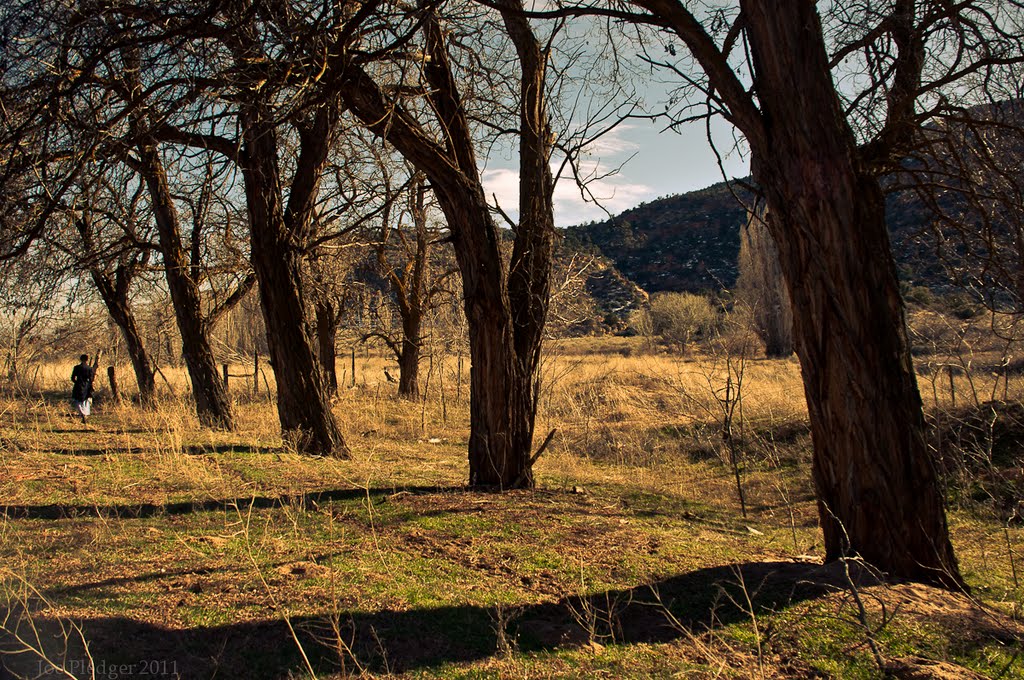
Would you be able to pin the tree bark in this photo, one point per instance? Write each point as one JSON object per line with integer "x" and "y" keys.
{"x": 212, "y": 403}
{"x": 877, "y": 487}
{"x": 505, "y": 311}
{"x": 276, "y": 239}
{"x": 122, "y": 315}
{"x": 327, "y": 339}
{"x": 409, "y": 359}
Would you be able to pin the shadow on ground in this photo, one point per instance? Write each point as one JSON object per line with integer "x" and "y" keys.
{"x": 397, "y": 641}
{"x": 197, "y": 450}
{"x": 52, "y": 511}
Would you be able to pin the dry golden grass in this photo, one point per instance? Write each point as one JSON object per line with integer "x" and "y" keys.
{"x": 209, "y": 537}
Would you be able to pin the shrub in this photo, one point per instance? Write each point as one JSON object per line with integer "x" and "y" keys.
{"x": 920, "y": 295}
{"x": 680, "y": 318}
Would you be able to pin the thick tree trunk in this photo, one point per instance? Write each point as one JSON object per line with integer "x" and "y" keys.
{"x": 533, "y": 248}
{"x": 409, "y": 358}
{"x": 877, "y": 487}
{"x": 327, "y": 340}
{"x": 212, "y": 404}
{"x": 302, "y": 404}
{"x": 501, "y": 422}
{"x": 505, "y": 309}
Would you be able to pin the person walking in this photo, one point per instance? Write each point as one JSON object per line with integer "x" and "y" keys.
{"x": 81, "y": 393}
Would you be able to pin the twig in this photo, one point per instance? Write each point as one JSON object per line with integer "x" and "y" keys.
{"x": 533, "y": 458}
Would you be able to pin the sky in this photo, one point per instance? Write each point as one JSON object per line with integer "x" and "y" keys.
{"x": 656, "y": 163}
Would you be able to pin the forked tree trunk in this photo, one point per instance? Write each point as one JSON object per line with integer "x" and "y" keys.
{"x": 529, "y": 283}
{"x": 500, "y": 428}
{"x": 505, "y": 313}
{"x": 122, "y": 315}
{"x": 877, "y": 486}
{"x": 302, "y": 404}
{"x": 212, "y": 404}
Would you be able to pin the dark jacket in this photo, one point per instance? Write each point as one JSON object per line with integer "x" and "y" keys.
{"x": 82, "y": 377}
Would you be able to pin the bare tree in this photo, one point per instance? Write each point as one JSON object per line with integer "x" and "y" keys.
{"x": 506, "y": 305}
{"x": 115, "y": 253}
{"x": 407, "y": 257}
{"x": 212, "y": 403}
{"x": 29, "y": 307}
{"x": 98, "y": 87}
{"x": 761, "y": 287}
{"x": 970, "y": 179}
{"x": 236, "y": 78}
{"x": 817, "y": 153}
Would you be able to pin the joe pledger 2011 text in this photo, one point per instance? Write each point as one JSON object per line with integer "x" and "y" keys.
{"x": 112, "y": 671}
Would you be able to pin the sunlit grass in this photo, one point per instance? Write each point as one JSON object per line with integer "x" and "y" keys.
{"x": 204, "y": 532}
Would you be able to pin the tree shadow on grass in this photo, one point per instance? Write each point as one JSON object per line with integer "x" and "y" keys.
{"x": 195, "y": 450}
{"x": 408, "y": 640}
{"x": 53, "y": 511}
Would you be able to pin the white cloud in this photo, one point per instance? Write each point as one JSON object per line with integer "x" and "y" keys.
{"x": 612, "y": 143}
{"x": 503, "y": 184}
{"x": 614, "y": 193}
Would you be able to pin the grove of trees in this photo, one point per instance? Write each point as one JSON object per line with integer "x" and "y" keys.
{"x": 249, "y": 142}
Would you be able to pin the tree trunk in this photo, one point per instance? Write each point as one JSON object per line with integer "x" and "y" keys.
{"x": 122, "y": 315}
{"x": 327, "y": 339}
{"x": 500, "y": 430}
{"x": 877, "y": 486}
{"x": 533, "y": 248}
{"x": 412, "y": 295}
{"x": 212, "y": 404}
{"x": 503, "y": 353}
{"x": 302, "y": 404}
{"x": 409, "y": 359}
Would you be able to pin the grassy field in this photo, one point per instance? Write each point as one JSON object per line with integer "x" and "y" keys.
{"x": 143, "y": 546}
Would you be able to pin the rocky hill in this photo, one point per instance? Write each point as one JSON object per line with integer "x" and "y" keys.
{"x": 966, "y": 230}
{"x": 684, "y": 242}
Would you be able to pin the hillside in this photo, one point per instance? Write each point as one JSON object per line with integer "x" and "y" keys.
{"x": 690, "y": 242}
{"x": 684, "y": 242}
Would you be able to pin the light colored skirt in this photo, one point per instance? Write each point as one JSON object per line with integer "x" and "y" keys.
{"x": 83, "y": 407}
